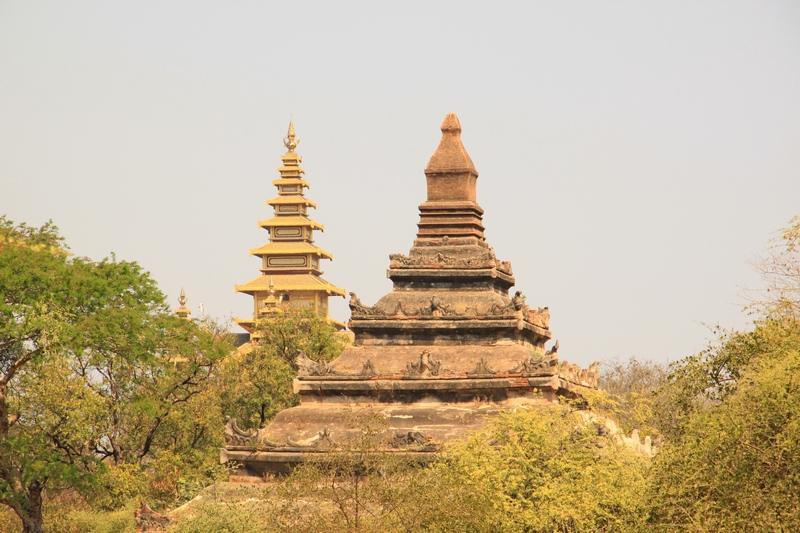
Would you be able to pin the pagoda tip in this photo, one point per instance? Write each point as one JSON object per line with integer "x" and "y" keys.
{"x": 450, "y": 156}
{"x": 291, "y": 141}
{"x": 451, "y": 123}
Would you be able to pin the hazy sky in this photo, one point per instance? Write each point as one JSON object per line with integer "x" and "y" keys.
{"x": 633, "y": 156}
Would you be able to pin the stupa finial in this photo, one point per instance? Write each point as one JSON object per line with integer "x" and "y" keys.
{"x": 291, "y": 141}
{"x": 183, "y": 311}
{"x": 450, "y": 156}
{"x": 451, "y": 123}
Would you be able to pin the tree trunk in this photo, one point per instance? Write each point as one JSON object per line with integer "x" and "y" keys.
{"x": 32, "y": 523}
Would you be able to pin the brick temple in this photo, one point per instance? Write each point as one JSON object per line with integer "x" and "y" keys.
{"x": 445, "y": 349}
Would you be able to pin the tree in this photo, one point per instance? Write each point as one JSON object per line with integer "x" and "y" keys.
{"x": 632, "y": 398}
{"x": 256, "y": 382}
{"x": 779, "y": 267}
{"x": 549, "y": 471}
{"x": 92, "y": 367}
{"x": 734, "y": 464}
{"x": 731, "y": 461}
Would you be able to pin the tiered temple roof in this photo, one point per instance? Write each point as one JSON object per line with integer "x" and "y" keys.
{"x": 446, "y": 348}
{"x": 290, "y": 262}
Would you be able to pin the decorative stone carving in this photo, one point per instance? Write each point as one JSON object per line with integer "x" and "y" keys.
{"x": 481, "y": 370}
{"x": 403, "y": 439}
{"x": 433, "y": 366}
{"x": 369, "y": 370}
{"x": 436, "y": 308}
{"x": 448, "y": 241}
{"x": 588, "y": 376}
{"x": 547, "y": 364}
{"x": 235, "y": 436}
{"x": 357, "y": 308}
{"x": 323, "y": 440}
{"x": 518, "y": 301}
{"x": 554, "y": 349}
{"x": 308, "y": 367}
{"x": 484, "y": 260}
{"x": 501, "y": 310}
{"x": 539, "y": 317}
{"x": 504, "y": 267}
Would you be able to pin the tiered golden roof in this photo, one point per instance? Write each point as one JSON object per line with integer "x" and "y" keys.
{"x": 290, "y": 262}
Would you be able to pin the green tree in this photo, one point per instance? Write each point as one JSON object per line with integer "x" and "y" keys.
{"x": 732, "y": 418}
{"x": 256, "y": 381}
{"x": 93, "y": 367}
{"x": 734, "y": 463}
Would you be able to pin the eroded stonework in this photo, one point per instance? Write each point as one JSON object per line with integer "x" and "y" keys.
{"x": 445, "y": 349}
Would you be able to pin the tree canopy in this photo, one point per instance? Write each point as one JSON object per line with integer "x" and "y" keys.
{"x": 92, "y": 366}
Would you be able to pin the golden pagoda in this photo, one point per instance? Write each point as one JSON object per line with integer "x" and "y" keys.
{"x": 290, "y": 262}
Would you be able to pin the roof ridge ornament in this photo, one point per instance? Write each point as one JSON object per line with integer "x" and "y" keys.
{"x": 291, "y": 141}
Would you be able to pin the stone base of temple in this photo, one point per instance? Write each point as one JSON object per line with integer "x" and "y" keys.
{"x": 413, "y": 412}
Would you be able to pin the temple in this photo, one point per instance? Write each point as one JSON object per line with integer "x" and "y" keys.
{"x": 290, "y": 262}
{"x": 445, "y": 349}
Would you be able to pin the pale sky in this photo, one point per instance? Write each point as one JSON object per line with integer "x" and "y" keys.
{"x": 633, "y": 156}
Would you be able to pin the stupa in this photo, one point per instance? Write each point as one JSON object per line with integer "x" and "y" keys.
{"x": 290, "y": 262}
{"x": 445, "y": 349}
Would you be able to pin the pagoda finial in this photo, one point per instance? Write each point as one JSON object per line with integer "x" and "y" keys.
{"x": 183, "y": 311}
{"x": 291, "y": 141}
{"x": 450, "y": 156}
{"x": 270, "y": 302}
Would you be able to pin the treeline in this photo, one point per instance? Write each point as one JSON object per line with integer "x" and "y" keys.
{"x": 107, "y": 398}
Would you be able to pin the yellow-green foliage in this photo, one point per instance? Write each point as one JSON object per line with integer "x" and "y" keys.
{"x": 735, "y": 464}
{"x": 549, "y": 471}
{"x": 628, "y": 394}
{"x": 69, "y": 513}
{"x": 119, "y": 521}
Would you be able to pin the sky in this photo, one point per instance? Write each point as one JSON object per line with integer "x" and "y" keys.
{"x": 635, "y": 157}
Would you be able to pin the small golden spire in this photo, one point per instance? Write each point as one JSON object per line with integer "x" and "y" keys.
{"x": 183, "y": 311}
{"x": 291, "y": 141}
{"x": 270, "y": 302}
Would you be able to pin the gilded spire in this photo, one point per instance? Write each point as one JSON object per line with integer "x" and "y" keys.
{"x": 270, "y": 302}
{"x": 183, "y": 311}
{"x": 291, "y": 141}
